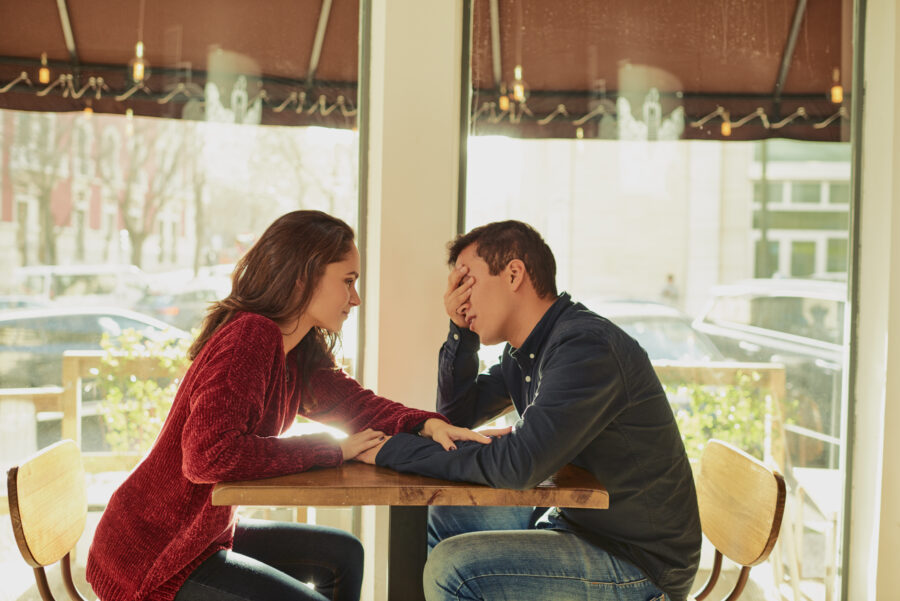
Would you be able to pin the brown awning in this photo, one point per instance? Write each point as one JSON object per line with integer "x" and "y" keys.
{"x": 764, "y": 66}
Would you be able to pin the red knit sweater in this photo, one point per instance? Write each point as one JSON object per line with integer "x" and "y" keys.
{"x": 238, "y": 395}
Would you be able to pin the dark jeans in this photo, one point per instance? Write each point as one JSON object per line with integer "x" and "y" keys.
{"x": 272, "y": 561}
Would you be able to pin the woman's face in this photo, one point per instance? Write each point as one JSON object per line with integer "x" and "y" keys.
{"x": 335, "y": 293}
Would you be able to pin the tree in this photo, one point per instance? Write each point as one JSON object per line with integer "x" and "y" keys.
{"x": 43, "y": 142}
{"x": 149, "y": 168}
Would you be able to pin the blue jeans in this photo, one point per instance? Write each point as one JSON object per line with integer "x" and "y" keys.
{"x": 271, "y": 561}
{"x": 503, "y": 553}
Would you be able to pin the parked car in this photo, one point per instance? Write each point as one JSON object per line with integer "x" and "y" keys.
{"x": 32, "y": 341}
{"x": 798, "y": 323}
{"x": 116, "y": 285}
{"x": 185, "y": 308}
{"x": 662, "y": 330}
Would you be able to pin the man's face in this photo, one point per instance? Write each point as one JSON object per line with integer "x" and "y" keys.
{"x": 489, "y": 304}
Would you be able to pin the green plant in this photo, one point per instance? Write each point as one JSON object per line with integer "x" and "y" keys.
{"x": 138, "y": 378}
{"x": 735, "y": 413}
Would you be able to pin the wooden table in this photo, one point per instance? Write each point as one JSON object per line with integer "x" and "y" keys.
{"x": 408, "y": 496}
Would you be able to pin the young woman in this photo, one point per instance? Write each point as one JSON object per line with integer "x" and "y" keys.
{"x": 264, "y": 354}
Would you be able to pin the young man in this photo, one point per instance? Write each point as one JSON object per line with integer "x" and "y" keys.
{"x": 585, "y": 393}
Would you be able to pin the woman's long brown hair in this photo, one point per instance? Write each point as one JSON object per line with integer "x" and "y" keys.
{"x": 277, "y": 278}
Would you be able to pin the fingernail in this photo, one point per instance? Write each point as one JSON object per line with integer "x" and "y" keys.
{"x": 382, "y": 438}
{"x": 452, "y": 448}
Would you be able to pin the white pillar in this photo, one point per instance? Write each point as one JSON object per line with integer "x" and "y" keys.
{"x": 413, "y": 154}
{"x": 874, "y": 541}
{"x": 412, "y": 192}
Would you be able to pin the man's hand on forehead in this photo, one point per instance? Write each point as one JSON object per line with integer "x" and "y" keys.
{"x": 456, "y": 298}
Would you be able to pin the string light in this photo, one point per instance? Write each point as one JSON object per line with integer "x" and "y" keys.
{"x": 837, "y": 90}
{"x": 44, "y": 71}
{"x": 88, "y": 111}
{"x": 486, "y": 110}
{"x": 129, "y": 122}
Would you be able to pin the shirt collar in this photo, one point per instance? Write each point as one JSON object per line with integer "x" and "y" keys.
{"x": 527, "y": 354}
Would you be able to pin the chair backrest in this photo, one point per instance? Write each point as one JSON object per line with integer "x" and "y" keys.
{"x": 741, "y": 505}
{"x": 48, "y": 509}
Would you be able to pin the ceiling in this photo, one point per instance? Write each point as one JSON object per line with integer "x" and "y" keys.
{"x": 759, "y": 60}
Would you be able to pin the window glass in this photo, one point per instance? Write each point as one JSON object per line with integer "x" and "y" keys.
{"x": 126, "y": 198}
{"x": 662, "y": 169}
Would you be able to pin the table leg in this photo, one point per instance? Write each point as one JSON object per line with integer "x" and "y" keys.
{"x": 407, "y": 554}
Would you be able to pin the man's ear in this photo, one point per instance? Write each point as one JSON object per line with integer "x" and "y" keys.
{"x": 515, "y": 274}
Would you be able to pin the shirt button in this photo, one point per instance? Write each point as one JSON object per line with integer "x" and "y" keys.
{"x": 531, "y": 356}
{"x": 528, "y": 378}
{"x": 456, "y": 337}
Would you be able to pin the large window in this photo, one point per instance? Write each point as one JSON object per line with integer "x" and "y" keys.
{"x": 158, "y": 144}
{"x": 653, "y": 157}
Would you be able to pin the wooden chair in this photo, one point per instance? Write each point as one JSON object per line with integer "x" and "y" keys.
{"x": 741, "y": 505}
{"x": 48, "y": 510}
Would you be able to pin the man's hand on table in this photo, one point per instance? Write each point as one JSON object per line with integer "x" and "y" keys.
{"x": 446, "y": 434}
{"x": 443, "y": 431}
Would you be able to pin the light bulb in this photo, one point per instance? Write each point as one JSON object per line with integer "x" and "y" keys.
{"x": 519, "y": 91}
{"x": 88, "y": 111}
{"x": 837, "y": 90}
{"x": 503, "y": 100}
{"x": 44, "y": 71}
{"x": 579, "y": 133}
{"x": 726, "y": 124}
{"x": 518, "y": 88}
{"x": 138, "y": 64}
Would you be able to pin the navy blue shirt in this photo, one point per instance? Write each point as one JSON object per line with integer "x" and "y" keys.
{"x": 586, "y": 394}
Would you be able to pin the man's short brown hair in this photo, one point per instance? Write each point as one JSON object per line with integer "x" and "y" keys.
{"x": 500, "y": 242}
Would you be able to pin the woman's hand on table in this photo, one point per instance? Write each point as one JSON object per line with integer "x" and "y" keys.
{"x": 361, "y": 442}
{"x": 446, "y": 434}
{"x": 368, "y": 456}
